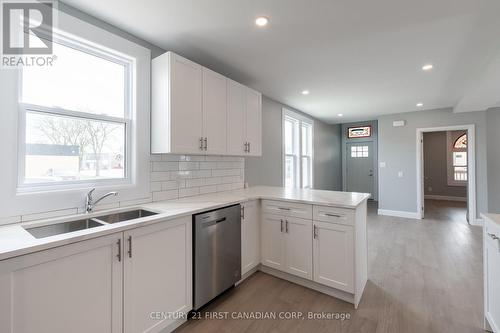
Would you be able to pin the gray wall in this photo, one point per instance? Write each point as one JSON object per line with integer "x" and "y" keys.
{"x": 268, "y": 169}
{"x": 397, "y": 148}
{"x": 436, "y": 166}
{"x": 155, "y": 50}
{"x": 493, "y": 147}
{"x": 374, "y": 139}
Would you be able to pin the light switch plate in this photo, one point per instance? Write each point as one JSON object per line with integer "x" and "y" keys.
{"x": 382, "y": 164}
{"x": 400, "y": 174}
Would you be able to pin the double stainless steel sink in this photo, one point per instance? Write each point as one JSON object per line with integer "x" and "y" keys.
{"x": 98, "y": 221}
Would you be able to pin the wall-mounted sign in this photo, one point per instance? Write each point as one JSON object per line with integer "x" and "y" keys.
{"x": 359, "y": 132}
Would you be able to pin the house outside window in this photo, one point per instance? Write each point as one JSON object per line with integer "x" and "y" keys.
{"x": 298, "y": 150}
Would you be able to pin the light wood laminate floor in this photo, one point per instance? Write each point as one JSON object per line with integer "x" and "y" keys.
{"x": 424, "y": 276}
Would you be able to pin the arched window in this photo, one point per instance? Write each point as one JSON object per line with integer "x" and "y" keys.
{"x": 457, "y": 158}
{"x": 461, "y": 142}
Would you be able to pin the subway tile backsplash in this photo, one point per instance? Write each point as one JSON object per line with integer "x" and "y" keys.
{"x": 171, "y": 177}
{"x": 178, "y": 176}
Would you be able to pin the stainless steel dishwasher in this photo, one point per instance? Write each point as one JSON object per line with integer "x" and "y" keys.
{"x": 217, "y": 253}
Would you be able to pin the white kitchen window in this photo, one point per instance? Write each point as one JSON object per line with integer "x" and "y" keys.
{"x": 75, "y": 118}
{"x": 298, "y": 150}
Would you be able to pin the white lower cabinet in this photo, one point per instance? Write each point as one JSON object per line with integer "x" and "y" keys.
{"x": 272, "y": 241}
{"x": 491, "y": 259}
{"x": 287, "y": 244}
{"x": 298, "y": 245}
{"x": 157, "y": 275}
{"x": 250, "y": 236}
{"x": 124, "y": 282}
{"x": 333, "y": 253}
{"x": 75, "y": 288}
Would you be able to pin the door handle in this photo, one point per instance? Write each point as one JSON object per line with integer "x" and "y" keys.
{"x": 119, "y": 255}
{"x": 130, "y": 246}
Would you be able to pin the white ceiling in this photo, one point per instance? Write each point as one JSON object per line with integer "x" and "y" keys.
{"x": 357, "y": 57}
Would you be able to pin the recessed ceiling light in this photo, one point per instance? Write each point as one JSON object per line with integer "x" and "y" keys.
{"x": 419, "y": 105}
{"x": 261, "y": 21}
{"x": 340, "y": 115}
{"x": 305, "y": 92}
{"x": 427, "y": 67}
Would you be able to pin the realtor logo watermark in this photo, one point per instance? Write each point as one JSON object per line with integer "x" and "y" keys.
{"x": 27, "y": 32}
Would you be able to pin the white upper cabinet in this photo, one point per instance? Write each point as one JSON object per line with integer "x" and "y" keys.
{"x": 236, "y": 126}
{"x": 176, "y": 119}
{"x": 253, "y": 121}
{"x": 198, "y": 111}
{"x": 214, "y": 112}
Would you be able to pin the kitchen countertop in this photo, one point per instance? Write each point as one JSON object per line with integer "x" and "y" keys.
{"x": 492, "y": 217}
{"x": 15, "y": 241}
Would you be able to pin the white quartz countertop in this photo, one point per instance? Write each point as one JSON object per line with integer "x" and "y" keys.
{"x": 16, "y": 241}
{"x": 492, "y": 217}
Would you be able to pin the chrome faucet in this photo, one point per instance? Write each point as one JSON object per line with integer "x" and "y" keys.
{"x": 90, "y": 203}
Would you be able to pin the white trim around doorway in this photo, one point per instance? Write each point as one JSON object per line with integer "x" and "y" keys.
{"x": 471, "y": 182}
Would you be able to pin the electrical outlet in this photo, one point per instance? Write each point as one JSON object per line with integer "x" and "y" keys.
{"x": 382, "y": 164}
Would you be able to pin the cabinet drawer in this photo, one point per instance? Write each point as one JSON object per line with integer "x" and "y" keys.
{"x": 284, "y": 208}
{"x": 333, "y": 214}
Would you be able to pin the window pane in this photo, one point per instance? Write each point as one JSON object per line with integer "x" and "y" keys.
{"x": 72, "y": 149}
{"x": 460, "y": 158}
{"x": 306, "y": 172}
{"x": 306, "y": 139}
{"x": 460, "y": 173}
{"x": 77, "y": 81}
{"x": 289, "y": 171}
{"x": 288, "y": 137}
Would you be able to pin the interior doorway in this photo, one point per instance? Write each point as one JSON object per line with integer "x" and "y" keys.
{"x": 456, "y": 171}
{"x": 445, "y": 175}
{"x": 359, "y": 167}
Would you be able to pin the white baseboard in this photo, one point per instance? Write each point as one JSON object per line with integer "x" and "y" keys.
{"x": 399, "y": 213}
{"x": 444, "y": 198}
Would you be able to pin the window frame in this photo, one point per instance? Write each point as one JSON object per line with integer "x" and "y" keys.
{"x": 24, "y": 108}
{"x": 298, "y": 156}
{"x": 450, "y": 170}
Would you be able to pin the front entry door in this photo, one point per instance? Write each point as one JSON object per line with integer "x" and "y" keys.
{"x": 359, "y": 168}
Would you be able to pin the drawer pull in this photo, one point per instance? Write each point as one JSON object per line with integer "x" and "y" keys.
{"x": 333, "y": 215}
{"x": 495, "y": 237}
{"x": 283, "y": 208}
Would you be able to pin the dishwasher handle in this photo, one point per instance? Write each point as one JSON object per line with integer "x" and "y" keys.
{"x": 212, "y": 222}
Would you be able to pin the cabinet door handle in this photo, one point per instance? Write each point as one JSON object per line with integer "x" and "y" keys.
{"x": 333, "y": 215}
{"x": 119, "y": 255}
{"x": 286, "y": 226}
{"x": 249, "y": 147}
{"x": 242, "y": 212}
{"x": 206, "y": 143}
{"x": 495, "y": 237}
{"x": 246, "y": 147}
{"x": 129, "y": 246}
{"x": 315, "y": 232}
{"x": 281, "y": 225}
{"x": 201, "y": 143}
